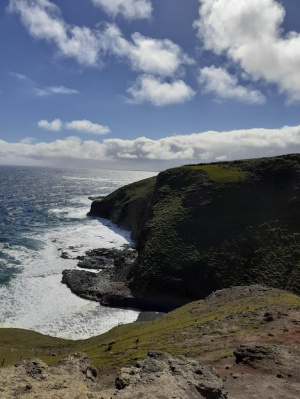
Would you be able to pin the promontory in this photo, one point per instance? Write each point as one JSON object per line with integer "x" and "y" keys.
{"x": 199, "y": 228}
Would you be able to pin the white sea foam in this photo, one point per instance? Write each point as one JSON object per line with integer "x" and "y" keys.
{"x": 36, "y": 299}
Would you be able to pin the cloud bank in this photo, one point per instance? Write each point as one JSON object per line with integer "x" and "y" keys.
{"x": 249, "y": 33}
{"x": 144, "y": 153}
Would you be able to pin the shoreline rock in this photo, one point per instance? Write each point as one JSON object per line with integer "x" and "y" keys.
{"x": 109, "y": 285}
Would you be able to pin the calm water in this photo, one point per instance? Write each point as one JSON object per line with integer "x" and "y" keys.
{"x": 42, "y": 213}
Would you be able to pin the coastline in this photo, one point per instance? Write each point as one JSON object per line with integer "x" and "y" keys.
{"x": 103, "y": 278}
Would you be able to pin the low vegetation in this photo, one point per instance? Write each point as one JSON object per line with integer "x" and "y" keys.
{"x": 223, "y": 224}
{"x": 194, "y": 329}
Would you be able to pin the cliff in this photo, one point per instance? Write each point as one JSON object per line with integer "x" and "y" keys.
{"x": 203, "y": 227}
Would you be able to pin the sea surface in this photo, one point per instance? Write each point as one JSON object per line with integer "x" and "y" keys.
{"x": 42, "y": 214}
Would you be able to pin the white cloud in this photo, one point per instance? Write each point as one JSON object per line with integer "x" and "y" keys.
{"x": 250, "y": 34}
{"x": 54, "y": 126}
{"x": 47, "y": 91}
{"x": 225, "y": 86}
{"x": 161, "y": 57}
{"x": 130, "y": 9}
{"x": 43, "y": 20}
{"x": 85, "y": 126}
{"x": 154, "y": 90}
{"x": 17, "y": 75}
{"x": 194, "y": 148}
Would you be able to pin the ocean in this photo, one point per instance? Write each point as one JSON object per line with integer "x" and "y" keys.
{"x": 42, "y": 214}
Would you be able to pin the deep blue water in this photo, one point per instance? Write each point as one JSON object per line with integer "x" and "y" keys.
{"x": 42, "y": 213}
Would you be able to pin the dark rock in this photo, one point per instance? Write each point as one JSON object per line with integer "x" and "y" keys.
{"x": 250, "y": 355}
{"x": 278, "y": 359}
{"x": 65, "y": 255}
{"x": 110, "y": 285}
{"x": 268, "y": 317}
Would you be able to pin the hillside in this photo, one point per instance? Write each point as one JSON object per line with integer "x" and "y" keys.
{"x": 250, "y": 335}
{"x": 199, "y": 228}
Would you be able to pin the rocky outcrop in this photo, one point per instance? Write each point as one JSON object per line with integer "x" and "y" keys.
{"x": 160, "y": 375}
{"x": 107, "y": 285}
{"x": 108, "y": 282}
{"x": 278, "y": 359}
{"x": 73, "y": 377}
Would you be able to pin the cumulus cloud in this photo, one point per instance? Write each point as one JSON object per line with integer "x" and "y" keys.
{"x": 175, "y": 150}
{"x": 155, "y": 56}
{"x": 250, "y": 34}
{"x": 54, "y": 126}
{"x": 154, "y": 90}
{"x": 43, "y": 20}
{"x": 225, "y": 86}
{"x": 85, "y": 126}
{"x": 47, "y": 91}
{"x": 130, "y": 9}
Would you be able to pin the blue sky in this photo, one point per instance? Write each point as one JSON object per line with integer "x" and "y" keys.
{"x": 148, "y": 84}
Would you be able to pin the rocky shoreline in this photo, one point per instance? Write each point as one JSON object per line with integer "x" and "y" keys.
{"x": 106, "y": 283}
{"x": 104, "y": 279}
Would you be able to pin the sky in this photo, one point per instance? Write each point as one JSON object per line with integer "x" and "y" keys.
{"x": 148, "y": 84}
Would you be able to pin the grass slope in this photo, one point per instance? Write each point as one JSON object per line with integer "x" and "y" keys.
{"x": 194, "y": 329}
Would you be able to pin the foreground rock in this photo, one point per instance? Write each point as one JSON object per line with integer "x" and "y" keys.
{"x": 160, "y": 375}
{"x": 72, "y": 378}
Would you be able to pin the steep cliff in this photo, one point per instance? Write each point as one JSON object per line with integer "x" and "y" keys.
{"x": 204, "y": 227}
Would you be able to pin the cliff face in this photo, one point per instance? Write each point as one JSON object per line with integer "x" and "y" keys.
{"x": 128, "y": 206}
{"x": 200, "y": 228}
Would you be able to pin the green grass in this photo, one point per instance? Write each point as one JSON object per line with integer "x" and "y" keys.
{"x": 133, "y": 192}
{"x": 179, "y": 332}
{"x": 221, "y": 174}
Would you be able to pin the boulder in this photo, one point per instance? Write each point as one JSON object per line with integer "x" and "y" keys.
{"x": 161, "y": 375}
